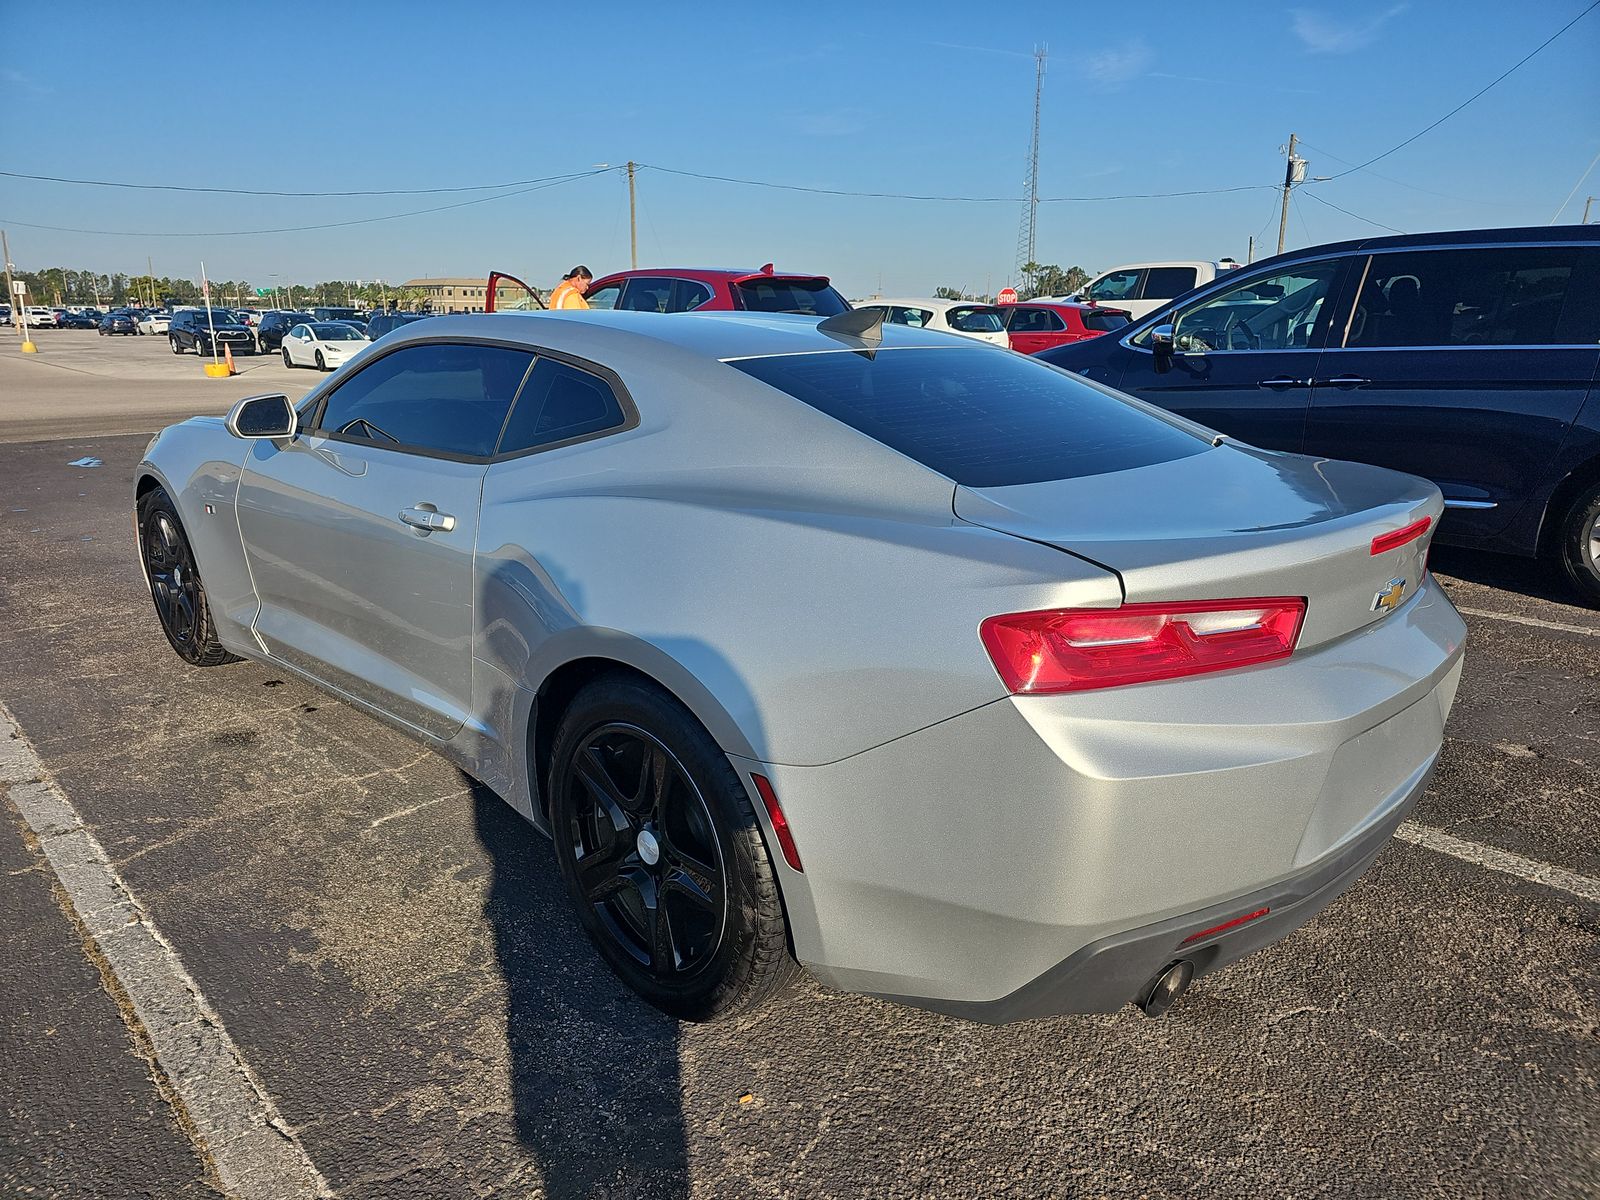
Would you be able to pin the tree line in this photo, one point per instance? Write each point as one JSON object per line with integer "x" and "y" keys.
{"x": 1038, "y": 279}
{"x": 67, "y": 285}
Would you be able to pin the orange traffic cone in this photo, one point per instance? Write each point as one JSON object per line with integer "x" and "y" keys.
{"x": 227, "y": 357}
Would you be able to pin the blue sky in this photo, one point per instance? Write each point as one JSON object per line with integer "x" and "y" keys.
{"x": 932, "y": 98}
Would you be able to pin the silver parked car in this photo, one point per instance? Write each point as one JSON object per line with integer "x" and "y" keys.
{"x": 950, "y": 676}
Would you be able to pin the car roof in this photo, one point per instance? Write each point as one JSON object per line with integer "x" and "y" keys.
{"x": 601, "y": 333}
{"x": 709, "y": 274}
{"x": 924, "y": 302}
{"x": 1458, "y": 237}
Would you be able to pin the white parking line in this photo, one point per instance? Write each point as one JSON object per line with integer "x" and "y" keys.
{"x": 1520, "y": 620}
{"x": 1542, "y": 873}
{"x": 238, "y": 1128}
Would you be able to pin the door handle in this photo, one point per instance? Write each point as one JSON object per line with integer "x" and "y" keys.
{"x": 1279, "y": 382}
{"x": 426, "y": 519}
{"x": 1342, "y": 381}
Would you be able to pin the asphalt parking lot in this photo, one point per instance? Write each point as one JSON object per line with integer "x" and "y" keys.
{"x": 390, "y": 951}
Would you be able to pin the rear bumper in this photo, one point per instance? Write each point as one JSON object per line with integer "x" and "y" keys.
{"x": 1037, "y": 854}
{"x": 1111, "y": 972}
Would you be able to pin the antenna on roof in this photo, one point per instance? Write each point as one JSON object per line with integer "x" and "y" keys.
{"x": 864, "y": 325}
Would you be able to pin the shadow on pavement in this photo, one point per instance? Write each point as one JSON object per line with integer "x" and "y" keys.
{"x": 1513, "y": 573}
{"x": 594, "y": 1072}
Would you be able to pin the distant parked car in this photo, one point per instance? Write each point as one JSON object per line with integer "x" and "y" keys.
{"x": 119, "y": 321}
{"x": 193, "y": 329}
{"x": 76, "y": 320}
{"x": 387, "y": 322}
{"x": 154, "y": 322}
{"x": 1468, "y": 358}
{"x": 1141, "y": 288}
{"x": 335, "y": 313}
{"x": 40, "y": 317}
{"x": 697, "y": 289}
{"x": 982, "y": 322}
{"x": 269, "y": 333}
{"x": 1036, "y": 325}
{"x": 323, "y": 345}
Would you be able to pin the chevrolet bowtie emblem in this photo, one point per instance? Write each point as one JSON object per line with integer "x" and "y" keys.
{"x": 1389, "y": 599}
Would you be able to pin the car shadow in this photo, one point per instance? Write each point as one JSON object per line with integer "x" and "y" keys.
{"x": 1509, "y": 572}
{"x": 594, "y": 1071}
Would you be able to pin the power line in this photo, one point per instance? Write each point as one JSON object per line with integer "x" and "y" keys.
{"x": 223, "y": 191}
{"x": 554, "y": 182}
{"x": 1348, "y": 213}
{"x": 821, "y": 191}
{"x": 1493, "y": 82}
{"x": 1350, "y": 162}
{"x": 1575, "y": 188}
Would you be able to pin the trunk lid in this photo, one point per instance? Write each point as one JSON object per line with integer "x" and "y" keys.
{"x": 1233, "y": 523}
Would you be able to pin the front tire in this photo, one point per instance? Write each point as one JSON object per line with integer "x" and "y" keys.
{"x": 175, "y": 587}
{"x": 1580, "y": 544}
{"x": 321, "y": 363}
{"x": 287, "y": 361}
{"x": 663, "y": 856}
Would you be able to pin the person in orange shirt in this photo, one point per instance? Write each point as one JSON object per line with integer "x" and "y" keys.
{"x": 569, "y": 292}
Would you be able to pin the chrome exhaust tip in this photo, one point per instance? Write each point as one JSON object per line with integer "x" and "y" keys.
{"x": 1162, "y": 992}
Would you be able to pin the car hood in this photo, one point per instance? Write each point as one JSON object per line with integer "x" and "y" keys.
{"x": 1231, "y": 522}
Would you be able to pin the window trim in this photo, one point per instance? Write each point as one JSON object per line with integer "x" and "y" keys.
{"x": 317, "y": 401}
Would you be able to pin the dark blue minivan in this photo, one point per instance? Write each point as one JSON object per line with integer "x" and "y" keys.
{"x": 1468, "y": 358}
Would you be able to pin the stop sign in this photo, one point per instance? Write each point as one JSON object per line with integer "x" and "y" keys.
{"x": 1007, "y": 296}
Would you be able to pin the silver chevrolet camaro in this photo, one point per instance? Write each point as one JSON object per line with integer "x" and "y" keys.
{"x": 943, "y": 674}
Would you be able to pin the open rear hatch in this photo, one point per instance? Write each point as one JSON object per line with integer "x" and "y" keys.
{"x": 1235, "y": 522}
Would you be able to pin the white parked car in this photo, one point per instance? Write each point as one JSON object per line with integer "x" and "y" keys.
{"x": 1141, "y": 288}
{"x": 982, "y": 322}
{"x": 41, "y": 317}
{"x": 155, "y": 322}
{"x": 322, "y": 344}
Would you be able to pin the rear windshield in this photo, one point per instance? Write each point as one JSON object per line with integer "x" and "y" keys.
{"x": 1104, "y": 321}
{"x": 976, "y": 320}
{"x": 811, "y": 296}
{"x": 980, "y": 418}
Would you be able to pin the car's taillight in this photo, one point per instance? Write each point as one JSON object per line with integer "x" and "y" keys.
{"x": 1074, "y": 650}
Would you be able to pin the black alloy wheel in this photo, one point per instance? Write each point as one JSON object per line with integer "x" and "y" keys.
{"x": 662, "y": 853}
{"x": 180, "y": 597}
{"x": 646, "y": 851}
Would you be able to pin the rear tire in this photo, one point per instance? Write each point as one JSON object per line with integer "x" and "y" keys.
{"x": 1580, "y": 544}
{"x": 175, "y": 587}
{"x": 698, "y": 930}
{"x": 176, "y": 348}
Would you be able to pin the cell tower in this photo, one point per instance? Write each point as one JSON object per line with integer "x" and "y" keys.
{"x": 1030, "y": 186}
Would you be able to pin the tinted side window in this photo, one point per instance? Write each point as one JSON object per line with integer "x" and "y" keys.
{"x": 980, "y": 418}
{"x": 1035, "y": 320}
{"x": 1119, "y": 285}
{"x": 1163, "y": 283}
{"x": 914, "y": 317}
{"x": 647, "y": 294}
{"x": 1512, "y": 296}
{"x": 690, "y": 295}
{"x": 557, "y": 403}
{"x": 447, "y": 398}
{"x": 605, "y": 297}
{"x": 1104, "y": 320}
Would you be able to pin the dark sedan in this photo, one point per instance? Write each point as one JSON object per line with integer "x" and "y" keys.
{"x": 1468, "y": 358}
{"x": 120, "y": 321}
{"x": 273, "y": 325}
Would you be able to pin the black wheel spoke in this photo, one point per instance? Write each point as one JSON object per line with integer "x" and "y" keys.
{"x": 600, "y": 871}
{"x": 655, "y": 785}
{"x": 591, "y": 769}
{"x": 686, "y": 873}
{"x": 663, "y": 947}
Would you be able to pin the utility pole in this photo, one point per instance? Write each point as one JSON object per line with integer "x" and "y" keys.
{"x": 633, "y": 217}
{"x": 1251, "y": 256}
{"x": 1026, "y": 235}
{"x": 14, "y": 300}
{"x": 1586, "y": 205}
{"x": 150, "y": 274}
{"x": 1293, "y": 173}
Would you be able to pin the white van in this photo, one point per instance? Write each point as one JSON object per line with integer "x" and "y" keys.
{"x": 1141, "y": 288}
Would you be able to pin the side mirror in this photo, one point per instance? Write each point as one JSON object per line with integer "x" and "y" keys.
{"x": 1162, "y": 344}
{"x": 263, "y": 417}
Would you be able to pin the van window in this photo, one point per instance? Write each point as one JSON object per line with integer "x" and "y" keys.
{"x": 1499, "y": 296}
{"x": 1283, "y": 311}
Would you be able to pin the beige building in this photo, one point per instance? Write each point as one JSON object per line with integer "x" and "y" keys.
{"x": 452, "y": 295}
